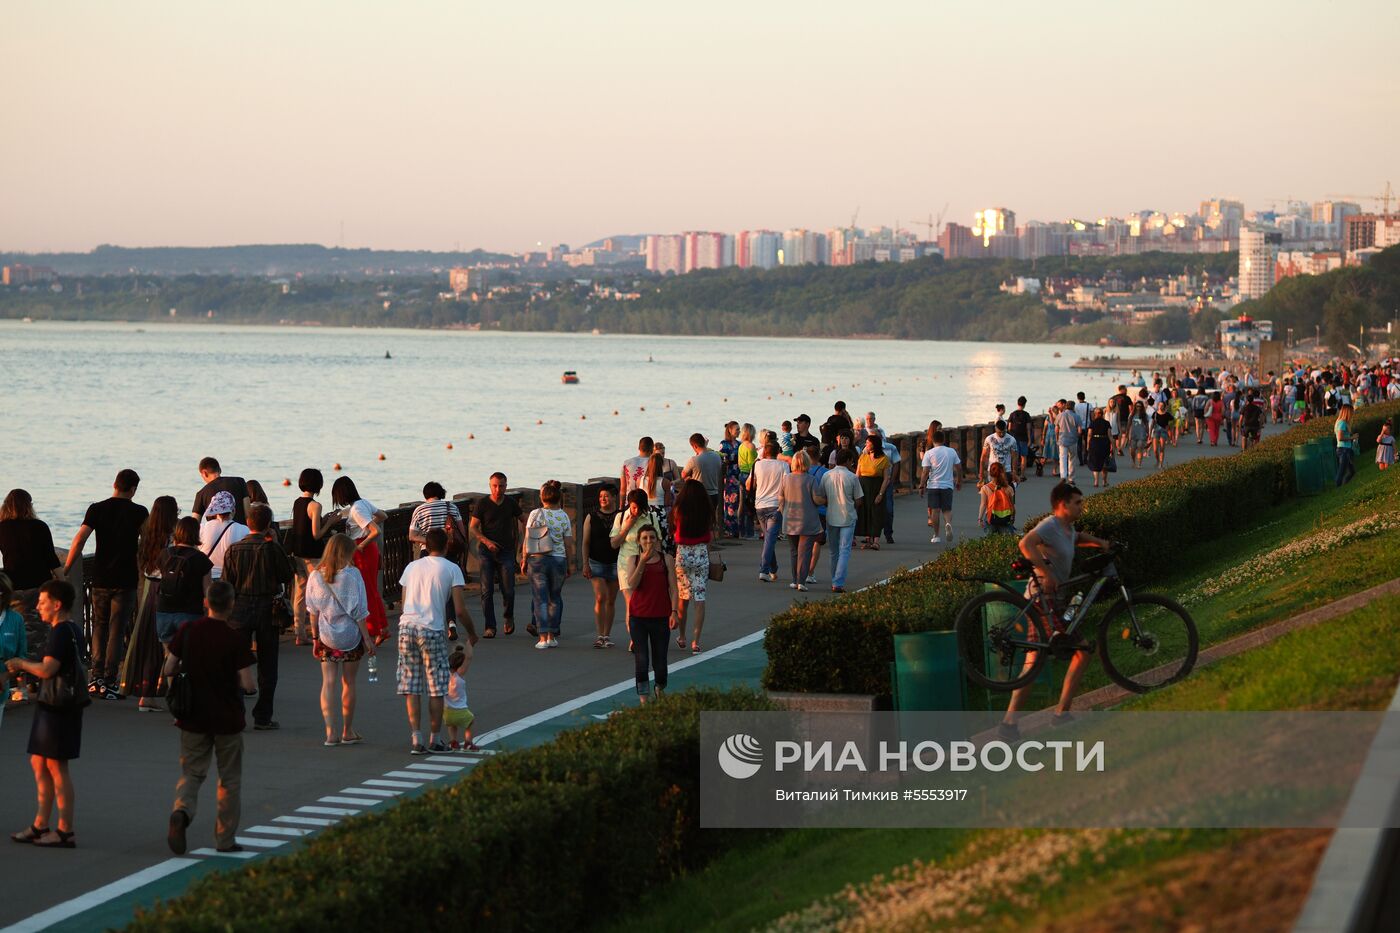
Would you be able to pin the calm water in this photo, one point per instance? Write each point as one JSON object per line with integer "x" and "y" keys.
{"x": 81, "y": 401}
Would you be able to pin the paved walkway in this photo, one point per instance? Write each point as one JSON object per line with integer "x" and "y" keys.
{"x": 293, "y": 785}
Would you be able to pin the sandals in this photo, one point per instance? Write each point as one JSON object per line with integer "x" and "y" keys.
{"x": 331, "y": 743}
{"x": 510, "y": 628}
{"x": 32, "y": 834}
{"x": 680, "y": 642}
{"x": 353, "y": 738}
{"x": 55, "y": 839}
{"x": 489, "y": 633}
{"x": 533, "y": 630}
{"x": 695, "y": 647}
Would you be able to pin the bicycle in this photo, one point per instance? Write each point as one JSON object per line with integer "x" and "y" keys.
{"x": 1145, "y": 641}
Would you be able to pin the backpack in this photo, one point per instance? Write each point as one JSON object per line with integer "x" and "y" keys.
{"x": 174, "y": 573}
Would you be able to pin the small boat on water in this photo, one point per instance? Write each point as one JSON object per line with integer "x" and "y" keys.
{"x": 569, "y": 378}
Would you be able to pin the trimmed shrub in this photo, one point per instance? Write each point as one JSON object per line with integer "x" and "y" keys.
{"x": 549, "y": 837}
{"x": 845, "y": 645}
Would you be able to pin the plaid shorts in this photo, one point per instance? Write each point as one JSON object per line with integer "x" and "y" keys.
{"x": 422, "y": 662}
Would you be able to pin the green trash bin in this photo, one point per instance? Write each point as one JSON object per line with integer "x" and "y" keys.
{"x": 1307, "y": 472}
{"x": 1045, "y": 687}
{"x": 927, "y": 673}
{"x": 1327, "y": 458}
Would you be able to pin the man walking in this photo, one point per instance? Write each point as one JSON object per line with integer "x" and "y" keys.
{"x": 219, "y": 667}
{"x": 498, "y": 525}
{"x": 767, "y": 481}
{"x": 257, "y": 568}
{"x": 117, "y": 523}
{"x": 1018, "y": 425}
{"x": 1083, "y": 414}
{"x": 437, "y": 512}
{"x": 1067, "y": 438}
{"x": 942, "y": 474}
{"x": 428, "y": 583}
{"x": 841, "y": 494}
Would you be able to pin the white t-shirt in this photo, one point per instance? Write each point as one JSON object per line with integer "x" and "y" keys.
{"x": 456, "y": 692}
{"x": 768, "y": 482}
{"x": 337, "y": 614}
{"x": 227, "y": 533}
{"x": 633, "y": 471}
{"x": 1000, "y": 449}
{"x": 358, "y": 518}
{"x": 841, "y": 489}
{"x": 427, "y": 586}
{"x": 940, "y": 463}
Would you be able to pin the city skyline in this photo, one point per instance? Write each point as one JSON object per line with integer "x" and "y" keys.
{"x": 508, "y": 129}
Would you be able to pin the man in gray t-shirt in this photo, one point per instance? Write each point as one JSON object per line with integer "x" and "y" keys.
{"x": 1049, "y": 546}
{"x": 704, "y": 466}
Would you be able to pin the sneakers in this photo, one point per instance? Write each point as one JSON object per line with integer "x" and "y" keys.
{"x": 598, "y": 642}
{"x": 438, "y": 748}
{"x": 800, "y": 587}
{"x": 792, "y": 586}
{"x": 108, "y": 693}
{"x": 607, "y": 642}
{"x": 541, "y": 645}
{"x": 935, "y": 540}
{"x": 812, "y": 578}
{"x": 767, "y": 577}
{"x": 553, "y": 641}
{"x": 175, "y": 837}
{"x": 95, "y": 686}
{"x": 418, "y": 749}
{"x": 948, "y": 532}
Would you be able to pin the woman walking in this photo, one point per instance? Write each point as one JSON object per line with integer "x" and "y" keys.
{"x": 307, "y": 543}
{"x": 729, "y": 469}
{"x": 651, "y": 606}
{"x": 873, "y": 471}
{"x": 1100, "y": 447}
{"x": 547, "y": 553}
{"x": 692, "y": 524}
{"x": 1215, "y": 416}
{"x": 363, "y": 523}
{"x": 997, "y": 512}
{"x": 659, "y": 494}
{"x": 339, "y": 611}
{"x": 1137, "y": 434}
{"x": 140, "y": 673}
{"x": 1346, "y": 446}
{"x": 801, "y": 519}
{"x": 26, "y": 550}
{"x": 600, "y": 566}
{"x": 56, "y": 733}
{"x": 1162, "y": 426}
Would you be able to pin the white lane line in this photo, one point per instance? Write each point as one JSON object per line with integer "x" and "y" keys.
{"x": 257, "y": 842}
{"x": 217, "y": 854}
{"x": 98, "y": 896}
{"x": 435, "y": 766}
{"x": 328, "y": 811}
{"x": 304, "y": 821}
{"x": 278, "y": 831}
{"x": 413, "y": 775}
{"x": 351, "y": 801}
{"x": 370, "y": 792}
{"x": 403, "y": 785}
{"x": 568, "y": 706}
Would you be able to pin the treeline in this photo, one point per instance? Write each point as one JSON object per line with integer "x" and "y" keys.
{"x": 1337, "y": 304}
{"x": 264, "y": 259}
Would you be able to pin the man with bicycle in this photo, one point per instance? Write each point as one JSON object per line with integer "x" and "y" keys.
{"x": 1049, "y": 547}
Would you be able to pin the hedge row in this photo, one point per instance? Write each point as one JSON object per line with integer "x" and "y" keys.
{"x": 845, "y": 645}
{"x": 551, "y": 837}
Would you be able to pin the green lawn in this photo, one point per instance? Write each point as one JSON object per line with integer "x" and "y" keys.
{"x": 1295, "y": 557}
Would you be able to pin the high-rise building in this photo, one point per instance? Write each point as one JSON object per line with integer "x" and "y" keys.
{"x": 1222, "y": 217}
{"x": 1258, "y": 253}
{"x": 805, "y": 247}
{"x": 1334, "y": 212}
{"x": 666, "y": 253}
{"x": 761, "y": 248}
{"x": 957, "y": 242}
{"x": 993, "y": 222}
{"x": 703, "y": 251}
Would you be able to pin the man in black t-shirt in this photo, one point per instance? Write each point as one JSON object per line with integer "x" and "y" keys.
{"x": 215, "y": 482}
{"x": 498, "y": 525}
{"x": 117, "y": 522}
{"x": 1018, "y": 425}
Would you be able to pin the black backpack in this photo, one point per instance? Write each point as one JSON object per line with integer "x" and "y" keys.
{"x": 175, "y": 574}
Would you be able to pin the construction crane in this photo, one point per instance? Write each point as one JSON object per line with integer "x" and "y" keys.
{"x": 935, "y": 228}
{"x": 1383, "y": 199}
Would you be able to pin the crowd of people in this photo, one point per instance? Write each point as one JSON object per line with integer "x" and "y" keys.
{"x": 198, "y": 603}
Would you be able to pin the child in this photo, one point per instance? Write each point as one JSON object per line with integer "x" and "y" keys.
{"x": 455, "y": 714}
{"x": 785, "y": 440}
{"x": 1385, "y": 446}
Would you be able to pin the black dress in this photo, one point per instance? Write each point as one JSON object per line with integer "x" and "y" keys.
{"x": 1099, "y": 441}
{"x": 58, "y": 733}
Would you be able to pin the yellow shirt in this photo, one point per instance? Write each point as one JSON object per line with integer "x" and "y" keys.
{"x": 872, "y": 466}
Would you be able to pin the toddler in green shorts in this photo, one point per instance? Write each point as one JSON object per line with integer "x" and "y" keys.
{"x": 455, "y": 715}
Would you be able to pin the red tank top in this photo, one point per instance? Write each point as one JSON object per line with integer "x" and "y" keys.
{"x": 651, "y": 598}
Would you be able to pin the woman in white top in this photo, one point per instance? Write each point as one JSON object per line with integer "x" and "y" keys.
{"x": 547, "y": 554}
{"x": 659, "y": 494}
{"x": 336, "y": 605}
{"x": 362, "y": 524}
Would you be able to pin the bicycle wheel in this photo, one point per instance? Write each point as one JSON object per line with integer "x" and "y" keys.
{"x": 995, "y": 633}
{"x": 1149, "y": 647}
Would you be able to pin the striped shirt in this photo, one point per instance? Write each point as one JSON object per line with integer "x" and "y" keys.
{"x": 432, "y": 515}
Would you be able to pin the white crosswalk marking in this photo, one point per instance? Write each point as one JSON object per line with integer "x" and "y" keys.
{"x": 305, "y": 820}
{"x": 257, "y": 842}
{"x": 217, "y": 853}
{"x": 352, "y": 801}
{"x": 328, "y": 811}
{"x": 278, "y": 831}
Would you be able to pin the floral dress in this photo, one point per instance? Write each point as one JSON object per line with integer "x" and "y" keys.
{"x": 733, "y": 488}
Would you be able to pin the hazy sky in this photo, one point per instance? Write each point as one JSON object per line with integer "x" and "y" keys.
{"x": 424, "y": 124}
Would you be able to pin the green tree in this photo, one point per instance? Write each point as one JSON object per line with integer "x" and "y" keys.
{"x": 1342, "y": 319}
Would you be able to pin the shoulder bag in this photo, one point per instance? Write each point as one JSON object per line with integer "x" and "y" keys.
{"x": 179, "y": 694}
{"x": 64, "y": 693}
{"x": 717, "y": 566}
{"x": 537, "y": 537}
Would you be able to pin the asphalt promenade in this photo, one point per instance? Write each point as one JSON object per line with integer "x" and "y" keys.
{"x": 126, "y": 776}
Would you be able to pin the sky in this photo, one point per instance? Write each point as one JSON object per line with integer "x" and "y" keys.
{"x": 420, "y": 124}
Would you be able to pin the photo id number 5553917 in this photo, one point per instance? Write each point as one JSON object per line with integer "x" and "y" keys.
{"x": 934, "y": 794}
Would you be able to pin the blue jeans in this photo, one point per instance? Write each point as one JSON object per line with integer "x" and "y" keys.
{"x": 839, "y": 540}
{"x": 1346, "y": 468}
{"x": 768, "y": 521}
{"x": 168, "y": 623}
{"x": 547, "y": 585}
{"x": 494, "y": 571}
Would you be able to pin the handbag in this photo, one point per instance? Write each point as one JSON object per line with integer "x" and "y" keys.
{"x": 179, "y": 695}
{"x": 1110, "y": 465}
{"x": 717, "y": 566}
{"x": 282, "y": 612}
{"x": 455, "y": 544}
{"x": 59, "y": 692}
